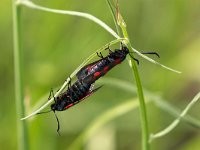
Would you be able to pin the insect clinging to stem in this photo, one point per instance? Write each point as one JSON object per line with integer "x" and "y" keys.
{"x": 73, "y": 95}
{"x": 99, "y": 68}
{"x": 87, "y": 76}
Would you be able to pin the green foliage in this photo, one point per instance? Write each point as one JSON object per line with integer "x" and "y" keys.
{"x": 54, "y": 45}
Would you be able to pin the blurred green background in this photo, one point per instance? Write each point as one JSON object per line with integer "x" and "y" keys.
{"x": 54, "y": 45}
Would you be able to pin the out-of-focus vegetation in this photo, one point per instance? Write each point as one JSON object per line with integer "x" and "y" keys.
{"x": 54, "y": 45}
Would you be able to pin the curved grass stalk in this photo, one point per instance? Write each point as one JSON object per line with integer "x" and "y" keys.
{"x": 126, "y": 86}
{"x": 111, "y": 114}
{"x": 68, "y": 79}
{"x": 153, "y": 61}
{"x": 175, "y": 122}
{"x": 73, "y": 13}
{"x": 159, "y": 102}
{"x": 32, "y": 5}
{"x": 143, "y": 112}
{"x": 162, "y": 104}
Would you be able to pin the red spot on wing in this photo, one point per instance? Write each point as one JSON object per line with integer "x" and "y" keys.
{"x": 105, "y": 69}
{"x": 70, "y": 105}
{"x": 89, "y": 68}
{"x": 96, "y": 74}
{"x": 82, "y": 98}
{"x": 117, "y": 61}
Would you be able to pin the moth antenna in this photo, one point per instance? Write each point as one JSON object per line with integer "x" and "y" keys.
{"x": 152, "y": 53}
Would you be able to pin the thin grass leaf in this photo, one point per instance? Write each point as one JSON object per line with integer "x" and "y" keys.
{"x": 155, "y": 62}
{"x": 164, "y": 105}
{"x": 73, "y": 13}
{"x": 22, "y": 132}
{"x": 143, "y": 112}
{"x": 175, "y": 122}
{"x": 114, "y": 18}
{"x": 32, "y": 5}
{"x": 159, "y": 101}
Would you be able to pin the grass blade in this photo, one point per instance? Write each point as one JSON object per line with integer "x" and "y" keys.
{"x": 74, "y": 13}
{"x": 22, "y": 132}
{"x": 176, "y": 121}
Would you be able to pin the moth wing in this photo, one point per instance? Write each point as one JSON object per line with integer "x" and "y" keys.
{"x": 91, "y": 92}
{"x": 81, "y": 73}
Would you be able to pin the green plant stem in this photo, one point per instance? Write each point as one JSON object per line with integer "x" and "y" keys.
{"x": 158, "y": 101}
{"x": 144, "y": 121}
{"x": 124, "y": 108}
{"x": 22, "y": 138}
{"x": 143, "y": 113}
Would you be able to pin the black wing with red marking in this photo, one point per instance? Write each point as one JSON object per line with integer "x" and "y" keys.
{"x": 84, "y": 71}
{"x": 84, "y": 97}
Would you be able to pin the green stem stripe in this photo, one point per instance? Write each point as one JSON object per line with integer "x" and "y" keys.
{"x": 22, "y": 133}
{"x": 143, "y": 113}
